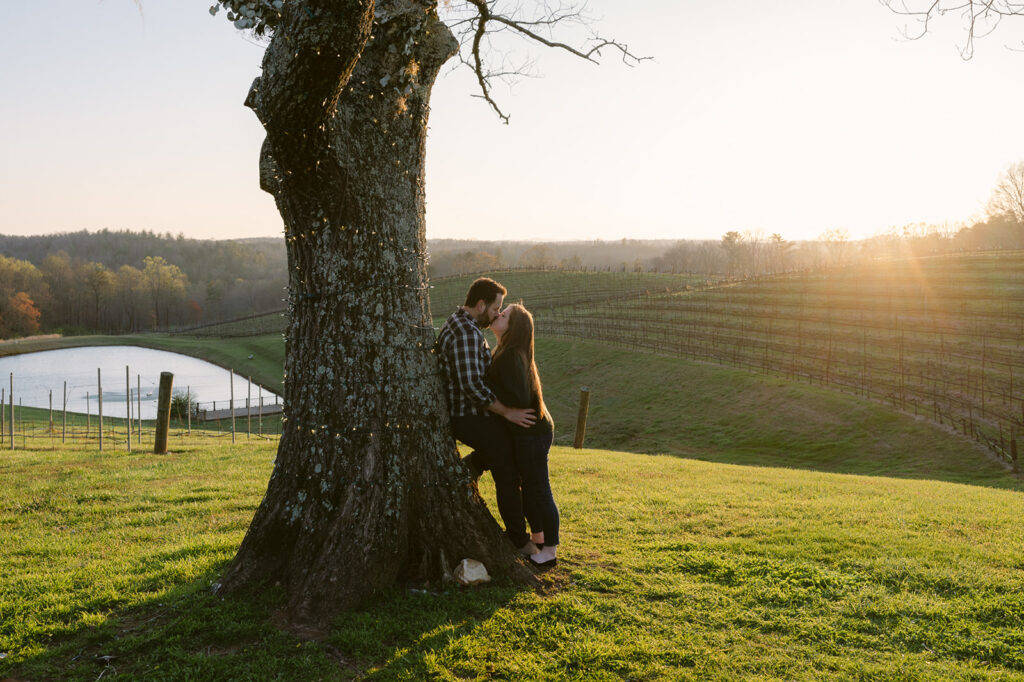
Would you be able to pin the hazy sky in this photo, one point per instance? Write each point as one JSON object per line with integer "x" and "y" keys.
{"x": 785, "y": 116}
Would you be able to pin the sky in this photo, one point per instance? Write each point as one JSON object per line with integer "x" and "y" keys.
{"x": 794, "y": 116}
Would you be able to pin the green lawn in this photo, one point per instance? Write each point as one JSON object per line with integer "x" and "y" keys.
{"x": 670, "y": 569}
{"x": 757, "y": 529}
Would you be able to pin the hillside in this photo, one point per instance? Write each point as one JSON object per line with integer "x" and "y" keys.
{"x": 656, "y": 404}
{"x": 941, "y": 338}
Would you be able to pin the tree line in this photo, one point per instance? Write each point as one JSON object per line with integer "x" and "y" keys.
{"x": 750, "y": 252}
{"x": 124, "y": 281}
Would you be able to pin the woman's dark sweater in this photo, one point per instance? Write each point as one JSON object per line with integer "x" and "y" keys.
{"x": 508, "y": 377}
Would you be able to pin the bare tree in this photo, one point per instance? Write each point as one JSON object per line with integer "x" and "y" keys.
{"x": 980, "y": 18}
{"x": 1008, "y": 195}
{"x": 779, "y": 250}
{"x": 756, "y": 251}
{"x": 732, "y": 244}
{"x": 837, "y": 243}
{"x": 367, "y": 488}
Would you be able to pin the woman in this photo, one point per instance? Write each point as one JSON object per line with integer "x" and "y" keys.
{"x": 513, "y": 377}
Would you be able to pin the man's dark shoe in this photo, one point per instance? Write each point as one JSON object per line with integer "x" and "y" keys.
{"x": 473, "y": 463}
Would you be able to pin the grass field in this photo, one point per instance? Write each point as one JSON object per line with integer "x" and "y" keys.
{"x": 670, "y": 569}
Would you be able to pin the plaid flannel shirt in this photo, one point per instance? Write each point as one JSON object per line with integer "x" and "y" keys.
{"x": 464, "y": 356}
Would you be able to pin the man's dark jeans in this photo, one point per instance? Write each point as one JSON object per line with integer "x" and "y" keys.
{"x": 493, "y": 448}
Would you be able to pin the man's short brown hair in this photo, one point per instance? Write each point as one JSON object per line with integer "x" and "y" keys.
{"x": 484, "y": 289}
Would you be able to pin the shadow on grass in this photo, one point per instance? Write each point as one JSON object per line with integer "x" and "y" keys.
{"x": 995, "y": 476}
{"x": 188, "y": 633}
{"x": 974, "y": 466}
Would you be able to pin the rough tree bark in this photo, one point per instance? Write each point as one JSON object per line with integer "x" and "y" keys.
{"x": 367, "y": 488}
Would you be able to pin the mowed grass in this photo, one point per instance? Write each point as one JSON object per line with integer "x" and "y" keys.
{"x": 739, "y": 547}
{"x": 669, "y": 569}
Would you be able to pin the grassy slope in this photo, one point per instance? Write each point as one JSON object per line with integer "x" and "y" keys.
{"x": 651, "y": 404}
{"x": 645, "y": 403}
{"x": 671, "y": 569}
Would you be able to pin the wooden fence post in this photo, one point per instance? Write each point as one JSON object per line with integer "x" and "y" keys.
{"x": 581, "y": 417}
{"x": 99, "y": 403}
{"x": 128, "y": 405}
{"x": 163, "y": 413}
{"x": 232, "y": 406}
{"x": 1013, "y": 454}
{"x": 64, "y": 416}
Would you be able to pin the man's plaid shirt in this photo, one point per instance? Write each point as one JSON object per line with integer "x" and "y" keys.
{"x": 464, "y": 356}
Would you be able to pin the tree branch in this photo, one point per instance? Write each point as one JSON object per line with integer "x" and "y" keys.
{"x": 484, "y": 20}
{"x": 980, "y": 17}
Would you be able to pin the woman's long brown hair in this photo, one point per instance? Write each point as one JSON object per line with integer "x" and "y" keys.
{"x": 518, "y": 338}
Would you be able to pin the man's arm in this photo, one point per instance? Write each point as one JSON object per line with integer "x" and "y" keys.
{"x": 524, "y": 417}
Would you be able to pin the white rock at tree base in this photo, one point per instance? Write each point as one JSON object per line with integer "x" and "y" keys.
{"x": 471, "y": 572}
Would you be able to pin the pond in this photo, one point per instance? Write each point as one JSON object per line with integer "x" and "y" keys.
{"x": 36, "y": 374}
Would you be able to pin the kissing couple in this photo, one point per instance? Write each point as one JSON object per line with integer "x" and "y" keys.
{"x": 497, "y": 408}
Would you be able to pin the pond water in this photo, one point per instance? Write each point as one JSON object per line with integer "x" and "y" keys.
{"x": 36, "y": 374}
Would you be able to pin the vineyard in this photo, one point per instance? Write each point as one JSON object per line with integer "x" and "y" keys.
{"x": 941, "y": 337}
{"x": 549, "y": 289}
{"x": 536, "y": 288}
{"x": 251, "y": 325}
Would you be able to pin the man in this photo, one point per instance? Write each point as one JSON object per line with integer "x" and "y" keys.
{"x": 464, "y": 357}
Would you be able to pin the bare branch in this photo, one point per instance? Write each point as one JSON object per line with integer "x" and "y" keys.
{"x": 980, "y": 17}
{"x": 477, "y": 20}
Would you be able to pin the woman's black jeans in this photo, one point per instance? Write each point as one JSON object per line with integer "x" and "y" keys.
{"x": 532, "y": 462}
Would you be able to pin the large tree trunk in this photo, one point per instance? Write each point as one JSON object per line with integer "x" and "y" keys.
{"x": 367, "y": 488}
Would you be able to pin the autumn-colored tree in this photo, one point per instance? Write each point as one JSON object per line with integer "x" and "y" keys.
{"x": 19, "y": 317}
{"x": 21, "y": 277}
